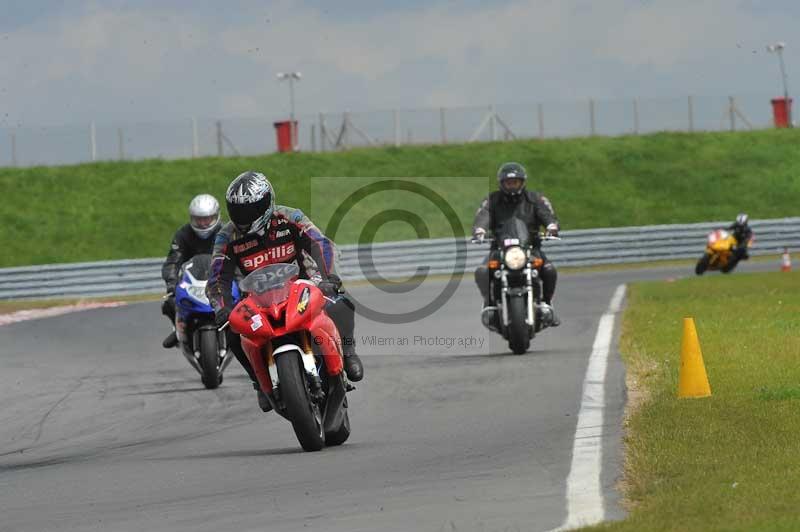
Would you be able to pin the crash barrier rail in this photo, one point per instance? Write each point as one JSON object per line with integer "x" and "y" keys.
{"x": 401, "y": 260}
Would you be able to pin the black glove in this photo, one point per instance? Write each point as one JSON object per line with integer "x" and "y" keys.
{"x": 221, "y": 317}
{"x": 168, "y": 305}
{"x": 331, "y": 286}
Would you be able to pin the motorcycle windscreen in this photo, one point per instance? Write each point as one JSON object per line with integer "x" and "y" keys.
{"x": 513, "y": 232}
{"x": 198, "y": 266}
{"x": 271, "y": 284}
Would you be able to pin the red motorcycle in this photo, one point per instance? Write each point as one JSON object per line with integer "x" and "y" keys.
{"x": 295, "y": 350}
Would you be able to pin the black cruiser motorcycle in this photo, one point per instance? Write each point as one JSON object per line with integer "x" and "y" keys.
{"x": 517, "y": 311}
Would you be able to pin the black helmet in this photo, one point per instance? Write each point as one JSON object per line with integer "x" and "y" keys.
{"x": 742, "y": 219}
{"x": 512, "y": 177}
{"x": 251, "y": 201}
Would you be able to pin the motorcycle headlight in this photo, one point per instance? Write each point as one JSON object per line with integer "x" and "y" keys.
{"x": 198, "y": 292}
{"x": 515, "y": 258}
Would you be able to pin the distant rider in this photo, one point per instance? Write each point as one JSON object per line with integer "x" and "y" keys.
{"x": 261, "y": 233}
{"x": 742, "y": 233}
{"x": 512, "y": 200}
{"x": 194, "y": 238}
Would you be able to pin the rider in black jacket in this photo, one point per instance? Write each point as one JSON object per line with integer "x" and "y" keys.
{"x": 512, "y": 200}
{"x": 742, "y": 233}
{"x": 194, "y": 238}
{"x": 261, "y": 233}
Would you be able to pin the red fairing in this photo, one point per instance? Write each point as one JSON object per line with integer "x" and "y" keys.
{"x": 303, "y": 310}
{"x": 326, "y": 336}
{"x": 253, "y": 352}
{"x": 248, "y": 319}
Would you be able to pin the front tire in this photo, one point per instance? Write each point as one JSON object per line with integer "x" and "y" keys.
{"x": 702, "y": 264}
{"x": 300, "y": 410}
{"x": 209, "y": 359}
{"x": 519, "y": 339}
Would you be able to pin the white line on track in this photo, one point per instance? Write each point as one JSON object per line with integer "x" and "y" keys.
{"x": 584, "y": 490}
{"x": 35, "y": 314}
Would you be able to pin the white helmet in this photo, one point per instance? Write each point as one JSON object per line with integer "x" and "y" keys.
{"x": 204, "y": 215}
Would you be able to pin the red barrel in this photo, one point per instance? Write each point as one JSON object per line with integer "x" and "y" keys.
{"x": 283, "y": 132}
{"x": 781, "y": 110}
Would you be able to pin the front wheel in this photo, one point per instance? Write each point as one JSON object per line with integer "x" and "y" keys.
{"x": 300, "y": 410}
{"x": 702, "y": 264}
{"x": 209, "y": 358}
{"x": 519, "y": 339}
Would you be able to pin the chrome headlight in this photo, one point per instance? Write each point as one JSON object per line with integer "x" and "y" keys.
{"x": 515, "y": 258}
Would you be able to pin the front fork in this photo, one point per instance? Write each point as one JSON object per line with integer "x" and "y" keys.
{"x": 530, "y": 275}
{"x": 222, "y": 346}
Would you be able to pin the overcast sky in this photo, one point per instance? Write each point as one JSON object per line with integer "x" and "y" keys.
{"x": 68, "y": 62}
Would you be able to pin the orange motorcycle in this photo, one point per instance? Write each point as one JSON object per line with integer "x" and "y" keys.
{"x": 719, "y": 255}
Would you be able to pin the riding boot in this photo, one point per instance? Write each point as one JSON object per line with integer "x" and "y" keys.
{"x": 170, "y": 341}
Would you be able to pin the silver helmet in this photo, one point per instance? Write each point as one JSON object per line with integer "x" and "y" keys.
{"x": 204, "y": 215}
{"x": 742, "y": 219}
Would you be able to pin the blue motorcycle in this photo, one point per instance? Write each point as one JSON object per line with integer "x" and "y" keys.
{"x": 199, "y": 340}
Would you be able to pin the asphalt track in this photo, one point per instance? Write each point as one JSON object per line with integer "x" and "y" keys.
{"x": 102, "y": 429}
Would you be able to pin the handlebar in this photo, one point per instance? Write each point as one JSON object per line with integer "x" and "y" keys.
{"x": 489, "y": 240}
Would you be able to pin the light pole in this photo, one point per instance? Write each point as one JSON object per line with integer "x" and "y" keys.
{"x": 778, "y": 49}
{"x": 291, "y": 76}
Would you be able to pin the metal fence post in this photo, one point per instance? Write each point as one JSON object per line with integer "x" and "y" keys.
{"x": 121, "y": 142}
{"x": 591, "y": 117}
{"x": 396, "y": 119}
{"x": 731, "y": 112}
{"x": 313, "y": 138}
{"x": 219, "y": 139}
{"x": 540, "y": 116}
{"x": 346, "y": 129}
{"x": 13, "y": 149}
{"x": 636, "y": 116}
{"x": 492, "y": 126}
{"x": 195, "y": 141}
{"x": 322, "y": 133}
{"x": 442, "y": 125}
{"x": 93, "y": 141}
{"x": 691, "y": 114}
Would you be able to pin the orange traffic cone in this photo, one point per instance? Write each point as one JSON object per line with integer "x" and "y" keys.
{"x": 786, "y": 261}
{"x": 693, "y": 381}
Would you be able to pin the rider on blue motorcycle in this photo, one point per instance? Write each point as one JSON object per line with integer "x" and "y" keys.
{"x": 191, "y": 239}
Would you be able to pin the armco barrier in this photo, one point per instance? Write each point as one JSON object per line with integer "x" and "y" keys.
{"x": 400, "y": 260}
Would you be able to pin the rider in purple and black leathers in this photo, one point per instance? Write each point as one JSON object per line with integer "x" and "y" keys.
{"x": 261, "y": 233}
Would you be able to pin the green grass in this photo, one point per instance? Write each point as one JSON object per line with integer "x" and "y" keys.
{"x": 115, "y": 210}
{"x": 730, "y": 461}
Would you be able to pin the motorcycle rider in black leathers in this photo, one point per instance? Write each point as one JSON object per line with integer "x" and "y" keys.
{"x": 510, "y": 201}
{"x": 742, "y": 233}
{"x": 194, "y": 238}
{"x": 261, "y": 233}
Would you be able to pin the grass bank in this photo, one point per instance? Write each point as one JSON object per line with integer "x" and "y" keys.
{"x": 114, "y": 210}
{"x": 727, "y": 462}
